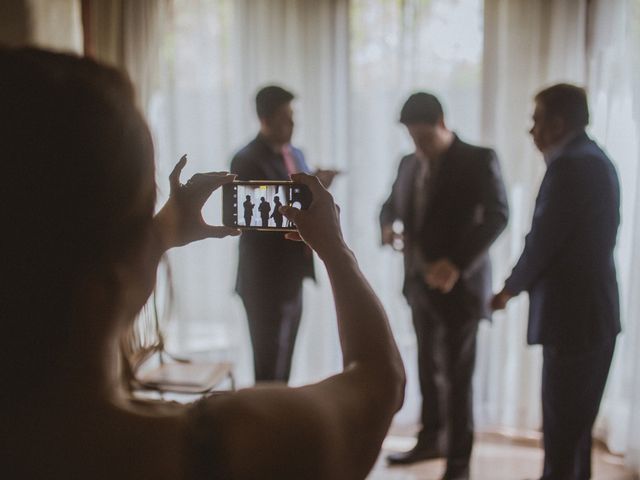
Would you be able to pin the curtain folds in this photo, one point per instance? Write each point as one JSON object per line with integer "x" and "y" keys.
{"x": 527, "y": 45}
{"x": 398, "y": 48}
{"x": 614, "y": 88}
{"x": 52, "y": 24}
{"x": 213, "y": 58}
{"x": 127, "y": 34}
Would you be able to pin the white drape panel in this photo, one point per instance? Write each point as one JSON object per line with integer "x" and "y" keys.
{"x": 352, "y": 64}
{"x": 52, "y": 24}
{"x": 528, "y": 45}
{"x": 304, "y": 46}
{"x": 128, "y": 34}
{"x": 214, "y": 58}
{"x": 614, "y": 87}
{"x": 56, "y": 24}
{"x": 350, "y": 87}
{"x": 188, "y": 113}
{"x": 398, "y": 48}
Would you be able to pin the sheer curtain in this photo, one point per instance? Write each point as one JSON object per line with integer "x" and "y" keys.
{"x": 352, "y": 64}
{"x": 396, "y": 49}
{"x": 127, "y": 34}
{"x": 214, "y": 56}
{"x": 614, "y": 87}
{"x": 527, "y": 45}
{"x": 53, "y": 24}
{"x": 189, "y": 113}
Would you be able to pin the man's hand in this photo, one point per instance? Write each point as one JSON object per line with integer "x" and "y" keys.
{"x": 180, "y": 221}
{"x": 499, "y": 301}
{"x": 442, "y": 275}
{"x": 326, "y": 176}
{"x": 387, "y": 234}
{"x": 390, "y": 237}
{"x": 319, "y": 225}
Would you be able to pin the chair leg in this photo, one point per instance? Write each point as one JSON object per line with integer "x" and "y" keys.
{"x": 232, "y": 379}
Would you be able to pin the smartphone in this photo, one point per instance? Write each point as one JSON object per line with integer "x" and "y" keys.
{"x": 254, "y": 205}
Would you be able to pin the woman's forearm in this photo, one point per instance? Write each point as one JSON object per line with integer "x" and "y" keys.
{"x": 365, "y": 335}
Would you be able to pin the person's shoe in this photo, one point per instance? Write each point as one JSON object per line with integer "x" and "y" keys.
{"x": 416, "y": 454}
{"x": 456, "y": 473}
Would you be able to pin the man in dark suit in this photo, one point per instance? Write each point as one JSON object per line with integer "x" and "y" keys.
{"x": 264, "y": 208}
{"x": 451, "y": 200}
{"x": 277, "y": 215}
{"x": 568, "y": 269}
{"x": 248, "y": 210}
{"x": 271, "y": 268}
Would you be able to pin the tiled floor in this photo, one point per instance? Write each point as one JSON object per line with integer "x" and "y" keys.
{"x": 494, "y": 458}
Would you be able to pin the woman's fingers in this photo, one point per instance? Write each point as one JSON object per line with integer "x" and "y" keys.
{"x": 211, "y": 231}
{"x": 311, "y": 181}
{"x": 208, "y": 182}
{"x": 295, "y": 236}
{"x": 174, "y": 176}
{"x": 290, "y": 212}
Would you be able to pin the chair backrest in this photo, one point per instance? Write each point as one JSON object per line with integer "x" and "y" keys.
{"x": 140, "y": 343}
{"x": 146, "y": 365}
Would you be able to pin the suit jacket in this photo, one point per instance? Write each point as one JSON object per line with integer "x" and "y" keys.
{"x": 465, "y": 212}
{"x": 567, "y": 265}
{"x": 268, "y": 264}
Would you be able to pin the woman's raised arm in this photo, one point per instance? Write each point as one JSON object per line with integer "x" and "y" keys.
{"x": 333, "y": 429}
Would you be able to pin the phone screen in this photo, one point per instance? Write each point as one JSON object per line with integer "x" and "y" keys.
{"x": 255, "y": 204}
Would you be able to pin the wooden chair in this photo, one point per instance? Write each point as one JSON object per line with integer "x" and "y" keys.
{"x": 150, "y": 368}
{"x": 184, "y": 376}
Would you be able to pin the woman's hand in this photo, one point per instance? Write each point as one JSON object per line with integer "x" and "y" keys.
{"x": 326, "y": 177}
{"x": 180, "y": 221}
{"x": 319, "y": 225}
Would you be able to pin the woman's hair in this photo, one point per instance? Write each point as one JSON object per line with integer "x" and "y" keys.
{"x": 77, "y": 179}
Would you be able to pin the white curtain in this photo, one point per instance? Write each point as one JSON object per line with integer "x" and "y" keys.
{"x": 614, "y": 88}
{"x": 52, "y": 24}
{"x": 351, "y": 67}
{"x": 128, "y": 34}
{"x": 398, "y": 48}
{"x": 527, "y": 46}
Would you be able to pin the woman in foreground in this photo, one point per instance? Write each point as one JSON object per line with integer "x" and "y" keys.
{"x": 80, "y": 249}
